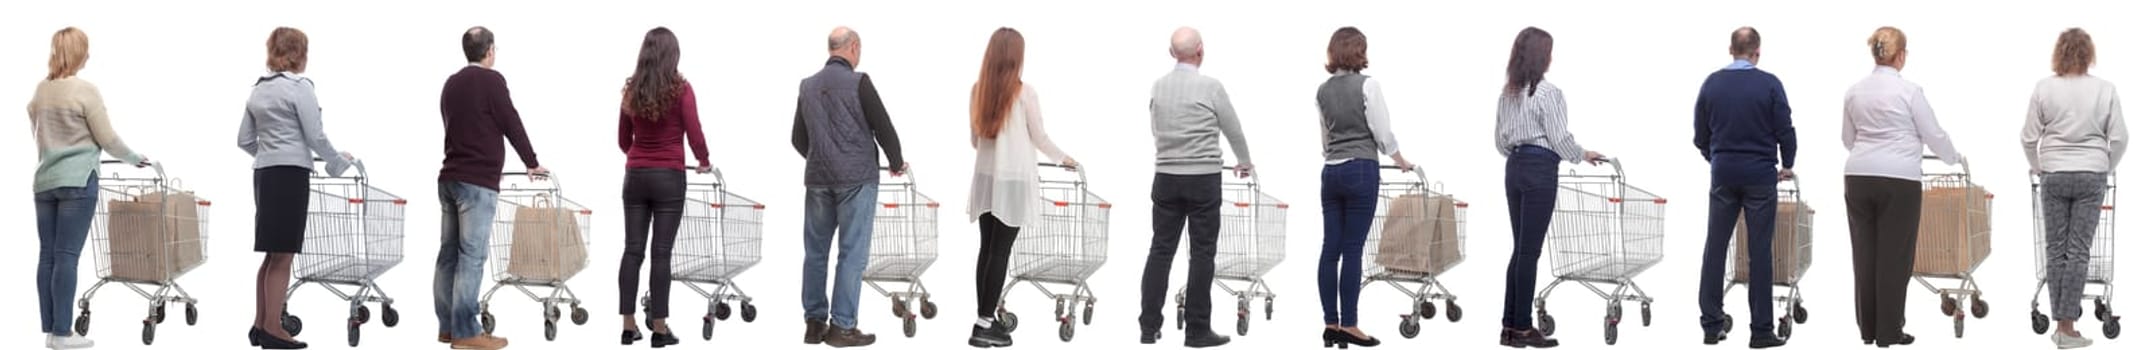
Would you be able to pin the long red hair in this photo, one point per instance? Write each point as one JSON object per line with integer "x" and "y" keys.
{"x": 999, "y": 84}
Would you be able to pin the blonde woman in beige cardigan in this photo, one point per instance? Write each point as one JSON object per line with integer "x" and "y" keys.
{"x": 68, "y": 117}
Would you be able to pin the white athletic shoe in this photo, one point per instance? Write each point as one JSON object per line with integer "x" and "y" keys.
{"x": 69, "y": 342}
{"x": 2069, "y": 342}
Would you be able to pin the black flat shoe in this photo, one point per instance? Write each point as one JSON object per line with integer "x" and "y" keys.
{"x": 661, "y": 340}
{"x": 630, "y": 336}
{"x": 1767, "y": 342}
{"x": 1905, "y": 339}
{"x": 264, "y": 340}
{"x": 1715, "y": 338}
{"x": 1529, "y": 338}
{"x": 1349, "y": 338}
{"x": 254, "y": 336}
{"x": 1204, "y": 340}
{"x": 1331, "y": 339}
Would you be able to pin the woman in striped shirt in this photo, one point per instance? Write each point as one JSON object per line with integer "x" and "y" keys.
{"x": 1532, "y": 134}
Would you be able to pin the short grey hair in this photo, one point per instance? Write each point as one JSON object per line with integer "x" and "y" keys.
{"x": 843, "y": 37}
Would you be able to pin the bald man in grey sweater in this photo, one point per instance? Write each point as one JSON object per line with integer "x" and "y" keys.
{"x": 1189, "y": 113}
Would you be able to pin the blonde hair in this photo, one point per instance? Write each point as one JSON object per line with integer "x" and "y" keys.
{"x": 2074, "y": 54}
{"x": 1888, "y": 44}
{"x": 70, "y": 51}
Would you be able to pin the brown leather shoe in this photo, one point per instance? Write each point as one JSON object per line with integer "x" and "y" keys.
{"x": 443, "y": 338}
{"x": 847, "y": 337}
{"x": 481, "y": 342}
{"x": 816, "y": 330}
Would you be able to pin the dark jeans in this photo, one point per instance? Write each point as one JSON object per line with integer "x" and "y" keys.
{"x": 1758, "y": 204}
{"x": 1883, "y": 216}
{"x": 1529, "y": 191}
{"x": 1179, "y": 200}
{"x": 993, "y": 267}
{"x": 63, "y": 223}
{"x": 1349, "y": 200}
{"x": 651, "y": 202}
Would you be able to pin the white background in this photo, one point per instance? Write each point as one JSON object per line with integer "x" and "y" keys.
{"x": 175, "y": 74}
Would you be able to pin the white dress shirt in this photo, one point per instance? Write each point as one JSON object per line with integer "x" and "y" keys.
{"x": 2074, "y": 124}
{"x": 1887, "y": 123}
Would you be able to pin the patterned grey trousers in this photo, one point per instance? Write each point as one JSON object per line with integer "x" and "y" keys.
{"x": 2071, "y": 209}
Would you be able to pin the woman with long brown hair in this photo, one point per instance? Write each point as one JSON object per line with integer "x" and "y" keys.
{"x": 1533, "y": 135}
{"x": 1008, "y": 136}
{"x": 658, "y": 111}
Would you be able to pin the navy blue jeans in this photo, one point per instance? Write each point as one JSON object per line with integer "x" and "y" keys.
{"x": 1758, "y": 205}
{"x": 63, "y": 223}
{"x": 1529, "y": 191}
{"x": 1349, "y": 200}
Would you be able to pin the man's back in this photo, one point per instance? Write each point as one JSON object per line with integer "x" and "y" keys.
{"x": 1746, "y": 125}
{"x": 1189, "y": 112}
{"x": 841, "y": 147}
{"x": 476, "y": 115}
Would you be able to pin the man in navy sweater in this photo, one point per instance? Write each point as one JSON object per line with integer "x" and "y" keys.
{"x": 1745, "y": 132}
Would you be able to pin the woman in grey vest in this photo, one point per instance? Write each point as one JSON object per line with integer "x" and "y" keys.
{"x": 1533, "y": 135}
{"x": 2074, "y": 137}
{"x": 1357, "y": 130}
{"x": 282, "y": 130}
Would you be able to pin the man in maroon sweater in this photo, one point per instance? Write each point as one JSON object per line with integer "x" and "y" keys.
{"x": 476, "y": 114}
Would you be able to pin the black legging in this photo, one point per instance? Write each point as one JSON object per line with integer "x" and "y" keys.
{"x": 651, "y": 200}
{"x": 994, "y": 262}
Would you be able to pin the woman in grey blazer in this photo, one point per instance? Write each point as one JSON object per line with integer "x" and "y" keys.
{"x": 282, "y": 130}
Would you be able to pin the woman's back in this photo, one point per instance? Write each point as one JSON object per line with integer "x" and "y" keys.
{"x": 1887, "y": 123}
{"x": 656, "y": 142}
{"x": 68, "y": 118}
{"x": 1007, "y": 166}
{"x": 2074, "y": 124}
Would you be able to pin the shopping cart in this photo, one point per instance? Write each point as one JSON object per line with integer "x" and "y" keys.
{"x": 1605, "y": 231}
{"x": 149, "y": 231}
{"x": 1791, "y": 224}
{"x": 2101, "y": 265}
{"x": 1953, "y": 241}
{"x": 1252, "y": 240}
{"x": 1065, "y": 243}
{"x": 905, "y": 245}
{"x": 355, "y": 233}
{"x": 539, "y": 242}
{"x": 721, "y": 236}
{"x": 1441, "y": 249}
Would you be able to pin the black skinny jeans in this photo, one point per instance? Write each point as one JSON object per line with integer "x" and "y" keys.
{"x": 651, "y": 201}
{"x": 993, "y": 266}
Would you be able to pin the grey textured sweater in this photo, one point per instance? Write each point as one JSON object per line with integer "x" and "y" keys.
{"x": 1189, "y": 113}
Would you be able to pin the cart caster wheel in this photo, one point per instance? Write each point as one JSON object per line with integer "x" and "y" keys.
{"x": 1241, "y": 325}
{"x": 710, "y": 327}
{"x": 1645, "y": 314}
{"x": 2101, "y": 310}
{"x": 1061, "y": 307}
{"x": 928, "y": 309}
{"x": 1980, "y": 308}
{"x": 1802, "y": 314}
{"x": 1409, "y": 329}
{"x": 1615, "y": 313}
{"x": 157, "y": 313}
{"x": 1959, "y": 327}
{"x": 1948, "y": 306}
{"x": 149, "y": 332}
{"x": 747, "y": 312}
{"x": 1608, "y": 332}
{"x": 1181, "y": 317}
{"x": 2041, "y": 323}
{"x": 292, "y": 325}
{"x": 82, "y": 325}
{"x": 362, "y": 315}
{"x": 388, "y": 316}
{"x": 192, "y": 314}
{"x": 1088, "y": 313}
{"x": 898, "y": 309}
{"x": 1007, "y": 319}
{"x": 486, "y": 321}
{"x": 1069, "y": 330}
{"x": 1548, "y": 324}
{"x": 552, "y": 329}
{"x": 1787, "y": 328}
{"x": 2112, "y": 330}
{"x": 1267, "y": 308}
{"x": 579, "y": 315}
{"x": 912, "y": 326}
{"x": 723, "y": 311}
{"x": 552, "y": 313}
{"x": 351, "y": 334}
{"x": 1427, "y": 310}
{"x": 1452, "y": 312}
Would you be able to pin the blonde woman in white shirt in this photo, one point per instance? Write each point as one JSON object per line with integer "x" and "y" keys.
{"x": 2074, "y": 138}
{"x": 1887, "y": 124}
{"x": 1009, "y": 136}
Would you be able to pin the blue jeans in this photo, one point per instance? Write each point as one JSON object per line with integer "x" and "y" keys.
{"x": 1758, "y": 204}
{"x": 467, "y": 220}
{"x": 1349, "y": 201}
{"x": 848, "y": 214}
{"x": 63, "y": 223}
{"x": 1529, "y": 187}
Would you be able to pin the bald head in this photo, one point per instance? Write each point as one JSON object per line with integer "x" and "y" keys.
{"x": 1187, "y": 46}
{"x": 844, "y": 42}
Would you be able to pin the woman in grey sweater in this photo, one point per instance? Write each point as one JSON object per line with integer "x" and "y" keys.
{"x": 2074, "y": 138}
{"x": 282, "y": 130}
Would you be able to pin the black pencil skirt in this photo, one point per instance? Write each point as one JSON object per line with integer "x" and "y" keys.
{"x": 280, "y": 208}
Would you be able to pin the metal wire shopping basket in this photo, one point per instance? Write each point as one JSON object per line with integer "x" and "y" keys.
{"x": 1605, "y": 232}
{"x": 1067, "y": 246}
{"x": 149, "y": 232}
{"x": 721, "y": 236}
{"x": 1790, "y": 260}
{"x": 1426, "y": 232}
{"x": 1252, "y": 241}
{"x": 904, "y": 247}
{"x": 1953, "y": 242}
{"x": 540, "y": 240}
{"x": 355, "y": 233}
{"x": 2101, "y": 262}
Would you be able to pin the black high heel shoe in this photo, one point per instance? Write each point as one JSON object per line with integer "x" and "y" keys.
{"x": 259, "y": 338}
{"x": 1349, "y": 338}
{"x": 630, "y": 336}
{"x": 1331, "y": 339}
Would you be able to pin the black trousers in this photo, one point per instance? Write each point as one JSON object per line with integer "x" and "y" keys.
{"x": 1883, "y": 216}
{"x": 1179, "y": 200}
{"x": 1757, "y": 204}
{"x": 993, "y": 266}
{"x": 651, "y": 201}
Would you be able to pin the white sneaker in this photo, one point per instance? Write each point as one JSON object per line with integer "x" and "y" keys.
{"x": 72, "y": 342}
{"x": 2070, "y": 342}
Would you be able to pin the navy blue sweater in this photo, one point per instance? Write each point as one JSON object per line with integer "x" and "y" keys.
{"x": 1743, "y": 127}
